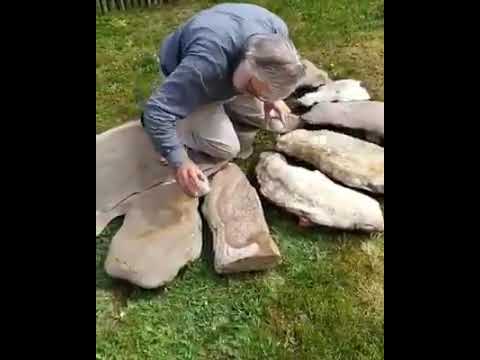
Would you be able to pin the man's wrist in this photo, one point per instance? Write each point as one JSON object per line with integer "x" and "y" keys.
{"x": 176, "y": 157}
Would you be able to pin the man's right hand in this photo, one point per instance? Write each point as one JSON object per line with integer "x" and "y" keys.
{"x": 188, "y": 177}
{"x": 280, "y": 108}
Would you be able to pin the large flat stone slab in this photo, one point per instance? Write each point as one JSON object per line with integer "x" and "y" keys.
{"x": 357, "y": 115}
{"x": 312, "y": 195}
{"x": 340, "y": 90}
{"x": 351, "y": 161}
{"x": 241, "y": 237}
{"x": 127, "y": 164}
{"x": 161, "y": 233}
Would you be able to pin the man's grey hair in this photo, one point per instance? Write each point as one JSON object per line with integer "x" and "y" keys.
{"x": 274, "y": 59}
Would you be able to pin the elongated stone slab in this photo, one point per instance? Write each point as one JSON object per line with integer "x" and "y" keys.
{"x": 312, "y": 195}
{"x": 351, "y": 161}
{"x": 241, "y": 237}
{"x": 161, "y": 233}
{"x": 340, "y": 90}
{"x": 358, "y": 115}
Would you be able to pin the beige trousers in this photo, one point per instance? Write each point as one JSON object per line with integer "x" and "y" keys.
{"x": 224, "y": 130}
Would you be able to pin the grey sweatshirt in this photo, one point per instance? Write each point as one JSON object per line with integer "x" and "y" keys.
{"x": 199, "y": 60}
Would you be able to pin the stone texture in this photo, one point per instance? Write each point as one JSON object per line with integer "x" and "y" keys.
{"x": 161, "y": 233}
{"x": 358, "y": 115}
{"x": 313, "y": 196}
{"x": 351, "y": 161}
{"x": 341, "y": 90}
{"x": 241, "y": 237}
{"x": 127, "y": 164}
{"x": 314, "y": 77}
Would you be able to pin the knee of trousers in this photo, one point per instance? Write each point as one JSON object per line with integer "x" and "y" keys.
{"x": 222, "y": 150}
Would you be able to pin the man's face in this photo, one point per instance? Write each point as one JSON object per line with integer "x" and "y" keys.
{"x": 258, "y": 89}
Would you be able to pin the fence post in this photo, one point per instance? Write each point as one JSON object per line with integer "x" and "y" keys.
{"x": 111, "y": 5}
{"x": 103, "y": 6}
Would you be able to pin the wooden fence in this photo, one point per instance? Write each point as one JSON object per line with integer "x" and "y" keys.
{"x": 105, "y": 6}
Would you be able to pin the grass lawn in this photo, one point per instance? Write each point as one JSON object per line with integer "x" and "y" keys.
{"x": 325, "y": 301}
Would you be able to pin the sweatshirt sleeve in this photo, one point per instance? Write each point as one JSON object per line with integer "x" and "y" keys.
{"x": 182, "y": 92}
{"x": 280, "y": 27}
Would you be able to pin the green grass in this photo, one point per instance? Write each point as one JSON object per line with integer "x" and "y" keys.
{"x": 325, "y": 301}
